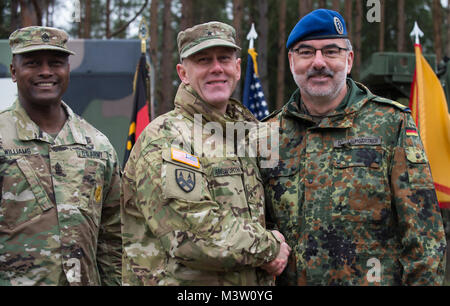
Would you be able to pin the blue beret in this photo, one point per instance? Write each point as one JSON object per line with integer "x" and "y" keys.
{"x": 319, "y": 24}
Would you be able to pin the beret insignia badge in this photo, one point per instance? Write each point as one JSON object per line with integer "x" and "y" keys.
{"x": 338, "y": 25}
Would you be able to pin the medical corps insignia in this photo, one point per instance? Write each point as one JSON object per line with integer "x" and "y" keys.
{"x": 185, "y": 179}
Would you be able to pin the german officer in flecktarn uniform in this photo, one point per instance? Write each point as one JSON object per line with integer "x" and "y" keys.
{"x": 191, "y": 217}
{"x": 353, "y": 192}
{"x": 59, "y": 177}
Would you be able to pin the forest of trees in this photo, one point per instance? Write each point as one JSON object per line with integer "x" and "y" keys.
{"x": 274, "y": 19}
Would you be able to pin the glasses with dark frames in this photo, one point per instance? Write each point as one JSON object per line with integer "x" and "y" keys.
{"x": 308, "y": 52}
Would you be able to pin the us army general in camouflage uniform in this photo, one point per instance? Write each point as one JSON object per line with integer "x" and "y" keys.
{"x": 352, "y": 192}
{"x": 59, "y": 177}
{"x": 191, "y": 218}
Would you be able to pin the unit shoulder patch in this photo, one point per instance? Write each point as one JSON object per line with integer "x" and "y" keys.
{"x": 185, "y": 179}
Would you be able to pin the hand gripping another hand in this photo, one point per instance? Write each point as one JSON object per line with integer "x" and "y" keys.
{"x": 276, "y": 266}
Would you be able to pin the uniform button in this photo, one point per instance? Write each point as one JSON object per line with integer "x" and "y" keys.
{"x": 418, "y": 155}
{"x": 310, "y": 181}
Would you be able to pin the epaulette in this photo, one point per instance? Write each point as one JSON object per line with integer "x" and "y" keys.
{"x": 394, "y": 103}
{"x": 272, "y": 115}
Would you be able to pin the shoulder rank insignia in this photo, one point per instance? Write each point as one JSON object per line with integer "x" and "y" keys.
{"x": 394, "y": 103}
{"x": 185, "y": 179}
{"x": 185, "y": 158}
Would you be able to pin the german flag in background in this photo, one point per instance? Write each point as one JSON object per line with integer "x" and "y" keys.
{"x": 140, "y": 116}
{"x": 430, "y": 111}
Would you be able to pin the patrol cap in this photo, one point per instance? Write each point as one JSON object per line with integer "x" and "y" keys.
{"x": 319, "y": 24}
{"x": 205, "y": 35}
{"x": 36, "y": 38}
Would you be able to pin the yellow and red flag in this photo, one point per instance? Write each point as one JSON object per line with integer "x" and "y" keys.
{"x": 140, "y": 117}
{"x": 430, "y": 111}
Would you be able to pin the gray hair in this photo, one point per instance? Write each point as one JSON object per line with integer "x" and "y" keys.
{"x": 349, "y": 44}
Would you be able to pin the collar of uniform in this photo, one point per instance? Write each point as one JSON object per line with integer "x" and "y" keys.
{"x": 28, "y": 130}
{"x": 189, "y": 103}
{"x": 71, "y": 132}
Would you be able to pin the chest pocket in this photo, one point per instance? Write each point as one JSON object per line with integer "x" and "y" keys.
{"x": 419, "y": 173}
{"x": 283, "y": 196}
{"x": 361, "y": 189}
{"x": 24, "y": 192}
{"x": 225, "y": 182}
{"x": 78, "y": 177}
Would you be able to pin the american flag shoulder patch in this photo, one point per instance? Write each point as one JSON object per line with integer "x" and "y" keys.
{"x": 185, "y": 158}
{"x": 412, "y": 132}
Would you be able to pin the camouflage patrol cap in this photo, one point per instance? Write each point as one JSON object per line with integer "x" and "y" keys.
{"x": 36, "y": 38}
{"x": 206, "y": 35}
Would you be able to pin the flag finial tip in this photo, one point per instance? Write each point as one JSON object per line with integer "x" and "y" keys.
{"x": 416, "y": 32}
{"x": 251, "y": 36}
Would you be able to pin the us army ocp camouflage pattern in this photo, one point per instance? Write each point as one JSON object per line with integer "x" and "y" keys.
{"x": 192, "y": 220}
{"x": 354, "y": 194}
{"x": 59, "y": 213}
{"x": 37, "y": 38}
{"x": 101, "y": 88}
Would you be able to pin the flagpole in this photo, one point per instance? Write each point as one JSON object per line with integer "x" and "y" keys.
{"x": 253, "y": 97}
{"x": 143, "y": 36}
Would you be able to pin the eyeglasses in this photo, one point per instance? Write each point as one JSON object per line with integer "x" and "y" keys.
{"x": 308, "y": 52}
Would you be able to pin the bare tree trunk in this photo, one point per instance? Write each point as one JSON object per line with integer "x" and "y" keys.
{"x": 14, "y": 15}
{"x": 357, "y": 37}
{"x": 108, "y": 18}
{"x": 167, "y": 65}
{"x": 304, "y": 7}
{"x": 348, "y": 18}
{"x": 263, "y": 32}
{"x": 336, "y": 5}
{"x": 237, "y": 20}
{"x": 38, "y": 11}
{"x": 281, "y": 53}
{"x": 437, "y": 21}
{"x": 28, "y": 14}
{"x": 237, "y": 24}
{"x": 154, "y": 33}
{"x": 448, "y": 29}
{"x": 401, "y": 25}
{"x": 322, "y": 3}
{"x": 382, "y": 26}
{"x": 187, "y": 17}
{"x": 87, "y": 20}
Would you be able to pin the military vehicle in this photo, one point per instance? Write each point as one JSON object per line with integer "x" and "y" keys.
{"x": 100, "y": 88}
{"x": 390, "y": 74}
